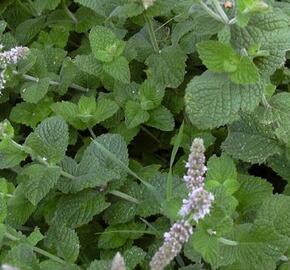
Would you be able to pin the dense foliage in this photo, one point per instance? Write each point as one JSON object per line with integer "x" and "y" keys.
{"x": 100, "y": 102}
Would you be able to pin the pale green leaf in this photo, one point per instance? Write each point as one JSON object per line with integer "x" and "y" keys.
{"x": 105, "y": 44}
{"x": 217, "y": 56}
{"x": 118, "y": 69}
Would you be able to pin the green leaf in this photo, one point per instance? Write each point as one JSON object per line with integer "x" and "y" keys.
{"x": 161, "y": 118}
{"x": 88, "y": 64}
{"x": 27, "y": 30}
{"x": 65, "y": 241}
{"x": 118, "y": 69}
{"x": 106, "y": 108}
{"x": 269, "y": 30}
{"x": 19, "y": 209}
{"x": 252, "y": 193}
{"x": 35, "y": 237}
{"x": 127, "y": 11}
{"x": 99, "y": 265}
{"x": 10, "y": 154}
{"x": 39, "y": 180}
{"x": 87, "y": 113}
{"x": 212, "y": 100}
{"x": 246, "y": 72}
{"x": 78, "y": 209}
{"x": 3, "y": 208}
{"x": 116, "y": 236}
{"x": 113, "y": 143}
{"x": 151, "y": 95}
{"x": 41, "y": 5}
{"x": 124, "y": 211}
{"x": 259, "y": 247}
{"x": 31, "y": 114}
{"x": 6, "y": 130}
{"x": 105, "y": 44}
{"x": 49, "y": 140}
{"x": 68, "y": 111}
{"x": 251, "y": 142}
{"x": 22, "y": 256}
{"x": 217, "y": 56}
{"x": 167, "y": 67}
{"x": 127, "y": 134}
{"x": 274, "y": 212}
{"x": 33, "y": 92}
{"x": 222, "y": 170}
{"x": 95, "y": 168}
{"x": 207, "y": 245}
{"x": 277, "y": 114}
{"x": 134, "y": 114}
{"x": 134, "y": 256}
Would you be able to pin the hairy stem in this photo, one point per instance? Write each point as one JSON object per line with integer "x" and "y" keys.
{"x": 227, "y": 242}
{"x": 69, "y": 13}
{"x": 210, "y": 12}
{"x": 151, "y": 32}
{"x": 54, "y": 83}
{"x": 220, "y": 11}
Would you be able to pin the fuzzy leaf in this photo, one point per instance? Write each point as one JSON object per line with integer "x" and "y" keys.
{"x": 39, "y": 180}
{"x": 161, "y": 118}
{"x": 212, "y": 100}
{"x": 50, "y": 139}
{"x": 118, "y": 69}
{"x": 78, "y": 209}
{"x": 10, "y": 155}
{"x": 151, "y": 95}
{"x": 104, "y": 43}
{"x": 167, "y": 67}
{"x": 251, "y": 142}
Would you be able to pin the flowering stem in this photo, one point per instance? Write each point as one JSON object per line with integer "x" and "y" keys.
{"x": 55, "y": 83}
{"x": 151, "y": 33}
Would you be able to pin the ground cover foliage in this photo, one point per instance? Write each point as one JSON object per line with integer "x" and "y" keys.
{"x": 98, "y": 111}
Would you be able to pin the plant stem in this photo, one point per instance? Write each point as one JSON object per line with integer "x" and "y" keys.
{"x": 228, "y": 242}
{"x": 92, "y": 133}
{"x": 49, "y": 255}
{"x": 151, "y": 32}
{"x": 38, "y": 250}
{"x": 6, "y": 195}
{"x": 265, "y": 102}
{"x": 54, "y": 83}
{"x": 150, "y": 134}
{"x": 220, "y": 11}
{"x": 211, "y": 12}
{"x": 124, "y": 196}
{"x": 69, "y": 13}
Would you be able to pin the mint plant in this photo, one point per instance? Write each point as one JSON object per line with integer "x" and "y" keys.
{"x": 144, "y": 134}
